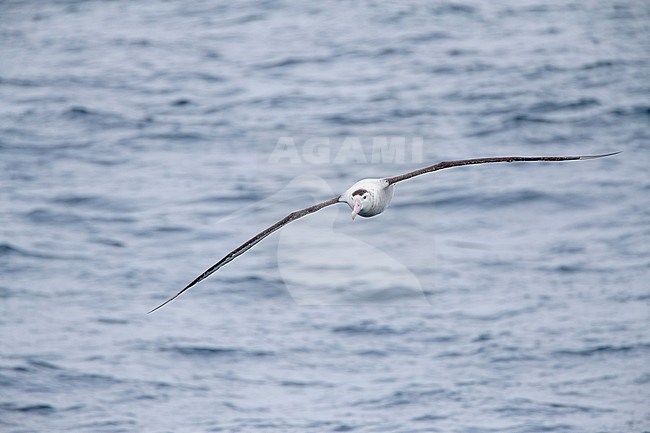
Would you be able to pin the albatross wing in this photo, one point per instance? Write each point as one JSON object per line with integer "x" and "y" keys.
{"x": 449, "y": 164}
{"x": 250, "y": 243}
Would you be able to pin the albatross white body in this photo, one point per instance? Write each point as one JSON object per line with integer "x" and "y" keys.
{"x": 368, "y": 197}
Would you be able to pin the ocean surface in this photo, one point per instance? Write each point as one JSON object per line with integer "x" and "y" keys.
{"x": 141, "y": 141}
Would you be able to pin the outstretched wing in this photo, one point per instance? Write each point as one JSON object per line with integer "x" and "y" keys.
{"x": 449, "y": 164}
{"x": 250, "y": 243}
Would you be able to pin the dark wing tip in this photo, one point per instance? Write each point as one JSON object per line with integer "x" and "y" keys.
{"x": 161, "y": 305}
{"x": 602, "y": 155}
{"x": 175, "y": 296}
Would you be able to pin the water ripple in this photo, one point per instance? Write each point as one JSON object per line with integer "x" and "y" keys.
{"x": 136, "y": 142}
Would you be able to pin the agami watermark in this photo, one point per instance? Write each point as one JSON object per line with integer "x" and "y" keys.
{"x": 351, "y": 149}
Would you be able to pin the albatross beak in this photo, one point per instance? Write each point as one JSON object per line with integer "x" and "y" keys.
{"x": 357, "y": 208}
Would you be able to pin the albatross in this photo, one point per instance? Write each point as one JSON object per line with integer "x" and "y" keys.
{"x": 366, "y": 198}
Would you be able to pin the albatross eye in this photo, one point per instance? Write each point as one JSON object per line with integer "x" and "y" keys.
{"x": 365, "y": 196}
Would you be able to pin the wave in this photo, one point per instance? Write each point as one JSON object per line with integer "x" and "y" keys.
{"x": 38, "y": 409}
{"x": 604, "y": 350}
{"x": 366, "y": 327}
{"x": 8, "y": 249}
{"x": 214, "y": 351}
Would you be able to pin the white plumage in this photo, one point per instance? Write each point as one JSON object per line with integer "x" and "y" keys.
{"x": 369, "y": 197}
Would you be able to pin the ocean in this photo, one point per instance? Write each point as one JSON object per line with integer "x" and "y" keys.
{"x": 140, "y": 142}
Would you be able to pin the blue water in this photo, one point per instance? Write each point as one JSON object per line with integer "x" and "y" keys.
{"x": 137, "y": 146}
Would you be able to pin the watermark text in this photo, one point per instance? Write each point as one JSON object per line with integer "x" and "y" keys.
{"x": 355, "y": 150}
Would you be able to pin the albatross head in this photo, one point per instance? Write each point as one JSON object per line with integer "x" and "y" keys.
{"x": 359, "y": 199}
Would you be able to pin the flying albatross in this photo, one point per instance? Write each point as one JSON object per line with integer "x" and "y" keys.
{"x": 366, "y": 198}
